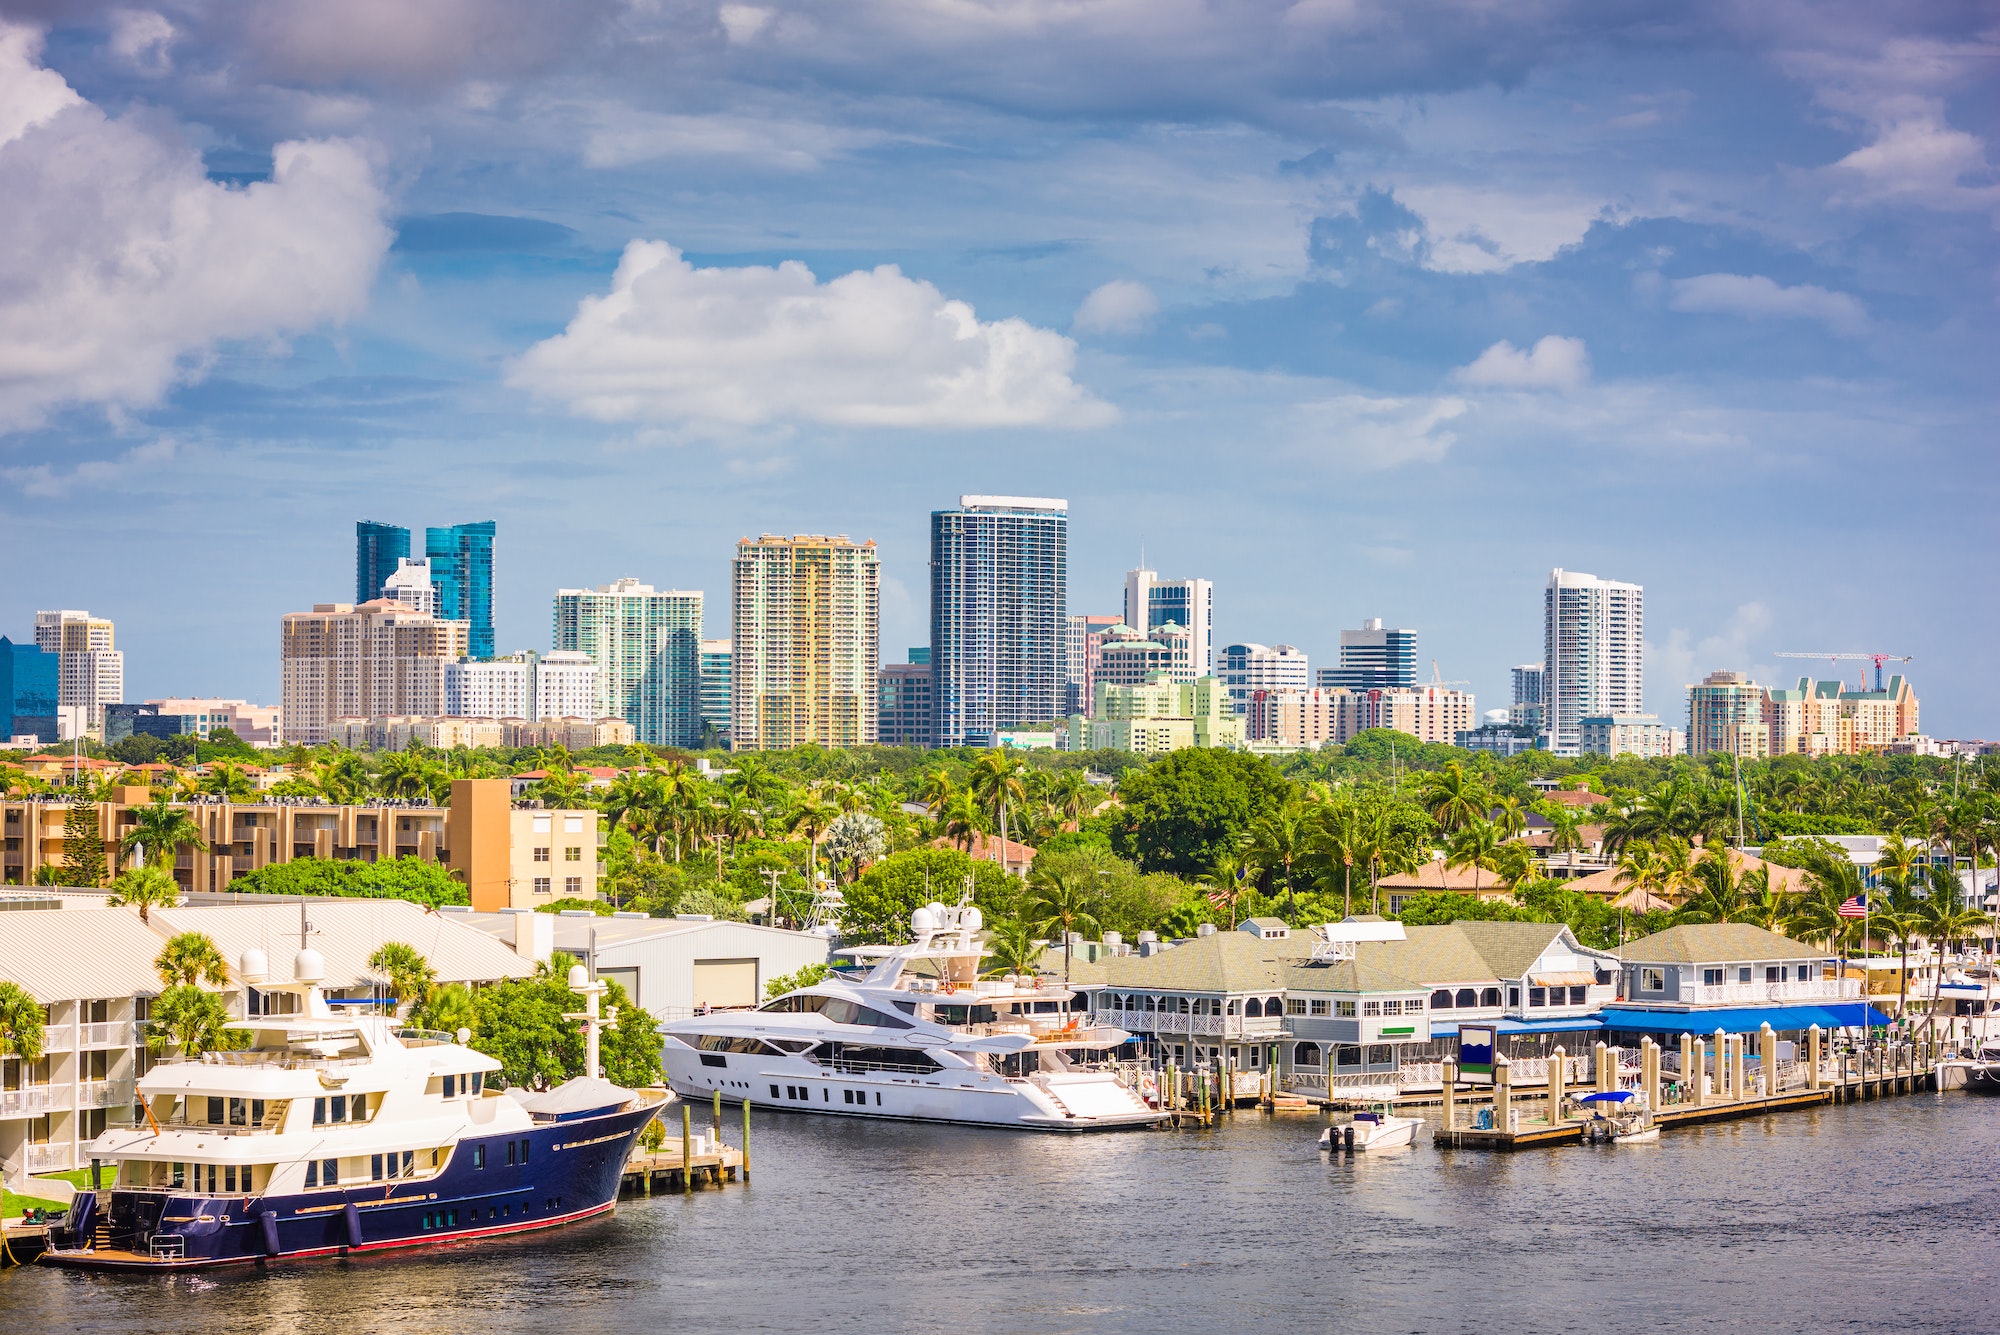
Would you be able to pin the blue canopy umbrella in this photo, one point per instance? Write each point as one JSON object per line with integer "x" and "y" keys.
{"x": 1611, "y": 1096}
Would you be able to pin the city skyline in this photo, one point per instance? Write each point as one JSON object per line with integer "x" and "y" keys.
{"x": 1386, "y": 324}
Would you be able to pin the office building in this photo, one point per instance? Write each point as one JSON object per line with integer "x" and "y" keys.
{"x": 1499, "y": 739}
{"x": 646, "y": 643}
{"x": 999, "y": 615}
{"x": 1373, "y": 657}
{"x": 493, "y": 688}
{"x": 1526, "y": 711}
{"x": 1157, "y": 716}
{"x": 805, "y": 623}
{"x": 123, "y": 721}
{"x": 30, "y": 685}
{"x": 1246, "y": 669}
{"x": 461, "y": 561}
{"x": 91, "y": 670}
{"x": 378, "y": 550}
{"x": 376, "y": 660}
{"x": 1641, "y": 735}
{"x": 715, "y": 662}
{"x": 1084, "y": 636}
{"x": 904, "y": 712}
{"x": 1151, "y": 602}
{"x": 1128, "y": 657}
{"x": 410, "y": 584}
{"x": 1593, "y": 633}
{"x": 1726, "y": 714}
{"x": 259, "y": 725}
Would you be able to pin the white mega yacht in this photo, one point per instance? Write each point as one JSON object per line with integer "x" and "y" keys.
{"x": 936, "y": 1044}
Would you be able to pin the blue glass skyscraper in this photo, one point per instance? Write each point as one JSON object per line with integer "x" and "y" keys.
{"x": 461, "y": 558}
{"x": 999, "y": 613}
{"x": 29, "y": 678}
{"x": 377, "y": 549}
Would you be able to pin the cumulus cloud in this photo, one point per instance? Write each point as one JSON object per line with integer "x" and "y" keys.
{"x": 1377, "y": 433}
{"x": 1118, "y": 307}
{"x": 1757, "y": 297}
{"x": 1680, "y": 660}
{"x": 748, "y": 346}
{"x": 1553, "y": 363}
{"x": 1916, "y": 157}
{"x": 121, "y": 264}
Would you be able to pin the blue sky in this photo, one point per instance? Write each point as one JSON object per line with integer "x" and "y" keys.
{"x": 1356, "y": 308}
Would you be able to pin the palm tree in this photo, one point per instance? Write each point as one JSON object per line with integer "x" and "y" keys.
{"x": 226, "y": 781}
{"x": 145, "y": 888}
{"x": 813, "y": 815}
{"x": 448, "y": 1009}
{"x": 1943, "y": 919}
{"x": 1013, "y": 948}
{"x": 1515, "y": 863}
{"x": 1455, "y": 798}
{"x": 1340, "y": 842}
{"x": 1072, "y": 794}
{"x": 961, "y": 818}
{"x": 1475, "y": 844}
{"x": 1510, "y": 815}
{"x": 189, "y": 959}
{"x": 1565, "y": 829}
{"x": 857, "y": 839}
{"x": 20, "y": 1023}
{"x": 1764, "y": 904}
{"x": 757, "y": 783}
{"x": 1278, "y": 840}
{"x": 188, "y": 1020}
{"x": 161, "y": 828}
{"x": 408, "y": 974}
{"x": 996, "y": 781}
{"x": 1060, "y": 903}
{"x": 407, "y": 774}
{"x": 1718, "y": 889}
{"x": 1224, "y": 878}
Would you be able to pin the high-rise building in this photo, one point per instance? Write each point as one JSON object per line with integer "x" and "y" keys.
{"x": 1526, "y": 711}
{"x": 805, "y": 620}
{"x": 259, "y": 725}
{"x": 715, "y": 664}
{"x": 1157, "y": 716}
{"x": 1129, "y": 657}
{"x": 904, "y": 712}
{"x": 461, "y": 558}
{"x": 378, "y": 549}
{"x": 1726, "y": 714}
{"x": 646, "y": 643}
{"x": 1083, "y": 637}
{"x": 565, "y": 686}
{"x": 30, "y": 686}
{"x": 410, "y": 584}
{"x": 375, "y": 660}
{"x": 491, "y": 688}
{"x": 1334, "y": 714}
{"x": 1373, "y": 657}
{"x": 999, "y": 615}
{"x": 1248, "y": 668}
{"x": 1151, "y": 602}
{"x": 1641, "y": 735}
{"x": 92, "y": 670}
{"x": 1593, "y": 634}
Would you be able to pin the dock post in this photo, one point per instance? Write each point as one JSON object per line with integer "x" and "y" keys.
{"x": 1694, "y": 1068}
{"x": 746, "y": 1138}
{"x": 718, "y": 1115}
{"x": 1450, "y": 1070}
{"x": 687, "y": 1150}
{"x": 1602, "y": 1067}
{"x": 1738, "y": 1089}
{"x": 1721, "y": 1086}
{"x": 1556, "y": 1060}
{"x": 1649, "y": 1072}
{"x": 1767, "y": 1056}
{"x": 1812, "y": 1057}
{"x": 1503, "y": 1091}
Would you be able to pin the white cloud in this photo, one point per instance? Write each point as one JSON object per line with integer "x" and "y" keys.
{"x": 1377, "y": 433}
{"x": 621, "y": 137}
{"x": 1680, "y": 660}
{"x": 670, "y": 342}
{"x": 1758, "y": 297}
{"x": 743, "y": 22}
{"x": 1118, "y": 307}
{"x": 121, "y": 263}
{"x": 1474, "y": 230}
{"x": 1553, "y": 363}
{"x": 1915, "y": 157}
{"x": 92, "y": 475}
{"x": 143, "y": 39}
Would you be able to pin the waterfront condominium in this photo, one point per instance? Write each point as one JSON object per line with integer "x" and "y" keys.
{"x": 461, "y": 558}
{"x": 999, "y": 613}
{"x": 1373, "y": 657}
{"x": 646, "y": 643}
{"x": 805, "y": 620}
{"x": 92, "y": 670}
{"x": 378, "y": 550}
{"x": 1248, "y": 668}
{"x": 1726, "y": 713}
{"x": 1593, "y": 634}
{"x": 377, "y": 660}
{"x": 715, "y": 656}
{"x": 1152, "y": 602}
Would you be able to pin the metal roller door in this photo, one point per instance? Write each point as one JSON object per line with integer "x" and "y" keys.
{"x": 719, "y": 983}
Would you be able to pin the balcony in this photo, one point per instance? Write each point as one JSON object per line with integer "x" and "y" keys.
{"x": 1757, "y": 994}
{"x": 104, "y": 1093}
{"x": 49, "y": 1159}
{"x": 34, "y": 1100}
{"x": 109, "y": 1034}
{"x": 58, "y": 1038}
{"x": 1196, "y": 1026}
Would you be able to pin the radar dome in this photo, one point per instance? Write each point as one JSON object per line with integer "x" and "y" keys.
{"x": 254, "y": 966}
{"x": 464, "y": 1034}
{"x": 923, "y": 921}
{"x": 972, "y": 919}
{"x": 308, "y": 966}
{"x": 579, "y": 977}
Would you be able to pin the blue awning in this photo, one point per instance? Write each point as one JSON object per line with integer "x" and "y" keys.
{"x": 1573, "y": 1024}
{"x": 1746, "y": 1019}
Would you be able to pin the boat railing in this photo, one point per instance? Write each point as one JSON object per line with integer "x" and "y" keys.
{"x": 424, "y": 1038}
{"x": 283, "y": 1061}
{"x": 167, "y": 1247}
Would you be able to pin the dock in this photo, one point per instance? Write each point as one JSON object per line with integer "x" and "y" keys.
{"x": 692, "y": 1161}
{"x": 22, "y": 1242}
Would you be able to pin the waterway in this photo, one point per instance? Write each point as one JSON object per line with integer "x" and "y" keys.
{"x": 1877, "y": 1216}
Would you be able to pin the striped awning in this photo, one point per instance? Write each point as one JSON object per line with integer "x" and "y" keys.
{"x": 1578, "y": 978}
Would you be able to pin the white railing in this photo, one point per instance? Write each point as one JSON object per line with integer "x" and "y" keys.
{"x": 109, "y": 1034}
{"x": 1824, "y": 989}
{"x": 104, "y": 1093}
{"x": 1199, "y": 1026}
{"x": 34, "y": 1100}
{"x": 1524, "y": 1071}
{"x": 58, "y": 1038}
{"x": 49, "y": 1158}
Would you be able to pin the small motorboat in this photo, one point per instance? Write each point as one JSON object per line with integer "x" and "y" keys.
{"x": 1618, "y": 1117}
{"x": 1982, "y": 1073}
{"x": 1371, "y": 1131}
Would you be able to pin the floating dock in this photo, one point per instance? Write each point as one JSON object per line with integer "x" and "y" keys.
{"x": 692, "y": 1162}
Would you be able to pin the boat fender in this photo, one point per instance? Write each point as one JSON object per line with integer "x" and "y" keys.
{"x": 352, "y": 1214}
{"x": 269, "y": 1219}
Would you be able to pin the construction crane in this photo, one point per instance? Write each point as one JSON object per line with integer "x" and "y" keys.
{"x": 1879, "y": 660}
{"x": 1436, "y": 675}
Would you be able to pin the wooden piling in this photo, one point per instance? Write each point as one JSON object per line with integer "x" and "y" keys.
{"x": 746, "y": 1138}
{"x": 1812, "y": 1058}
{"x": 1691, "y": 1067}
{"x": 1556, "y": 1073}
{"x": 687, "y": 1149}
{"x": 718, "y": 1115}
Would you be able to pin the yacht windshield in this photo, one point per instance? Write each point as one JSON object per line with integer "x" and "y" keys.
{"x": 839, "y": 1010}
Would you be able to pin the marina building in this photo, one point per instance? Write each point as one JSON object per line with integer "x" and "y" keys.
{"x": 805, "y": 643}
{"x": 999, "y": 615}
{"x": 646, "y": 643}
{"x": 1701, "y": 977}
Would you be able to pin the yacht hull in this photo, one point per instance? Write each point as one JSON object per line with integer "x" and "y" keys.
{"x": 570, "y": 1172}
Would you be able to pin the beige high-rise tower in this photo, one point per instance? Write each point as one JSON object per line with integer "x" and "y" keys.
{"x": 805, "y": 627}
{"x": 92, "y": 671}
{"x": 378, "y": 660}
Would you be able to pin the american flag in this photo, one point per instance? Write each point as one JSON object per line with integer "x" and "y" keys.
{"x": 1854, "y": 907}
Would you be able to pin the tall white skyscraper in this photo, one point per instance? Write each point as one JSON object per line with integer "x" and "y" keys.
{"x": 1593, "y": 634}
{"x": 1152, "y": 602}
{"x": 91, "y": 673}
{"x": 999, "y": 615}
{"x": 410, "y": 584}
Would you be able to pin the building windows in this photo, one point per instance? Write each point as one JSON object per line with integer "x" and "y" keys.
{"x": 1809, "y": 973}
{"x": 1538, "y": 996}
{"x": 1513, "y": 996}
{"x": 573, "y": 853}
{"x": 541, "y": 885}
{"x": 1743, "y": 974}
{"x": 541, "y": 853}
{"x": 1652, "y": 980}
{"x": 572, "y": 885}
{"x": 1305, "y": 1054}
{"x": 1295, "y": 1005}
{"x": 1392, "y": 1008}
{"x": 1774, "y": 973}
{"x": 1318, "y": 1005}
{"x": 1344, "y": 1009}
{"x": 1441, "y": 999}
{"x": 1711, "y": 978}
{"x": 1577, "y": 995}
{"x": 1371, "y": 1008}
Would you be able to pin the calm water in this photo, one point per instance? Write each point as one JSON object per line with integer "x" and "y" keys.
{"x": 1882, "y": 1216}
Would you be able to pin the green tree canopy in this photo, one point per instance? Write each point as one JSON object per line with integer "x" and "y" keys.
{"x": 20, "y": 1022}
{"x": 189, "y": 959}
{"x": 413, "y": 879}
{"x": 880, "y": 902}
{"x": 1188, "y": 806}
{"x": 520, "y": 1024}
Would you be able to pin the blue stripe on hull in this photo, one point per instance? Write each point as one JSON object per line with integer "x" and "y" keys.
{"x": 572, "y": 1172}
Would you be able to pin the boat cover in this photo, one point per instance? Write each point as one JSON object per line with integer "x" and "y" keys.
{"x": 1746, "y": 1019}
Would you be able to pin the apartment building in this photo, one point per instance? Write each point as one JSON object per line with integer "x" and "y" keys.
{"x": 376, "y": 660}
{"x": 1726, "y": 714}
{"x": 1158, "y": 716}
{"x": 1526, "y": 710}
{"x": 715, "y": 675}
{"x": 805, "y": 642}
{"x": 91, "y": 670}
{"x": 1593, "y": 633}
{"x": 999, "y": 615}
{"x": 1641, "y": 735}
{"x": 1128, "y": 657}
{"x": 646, "y": 643}
{"x": 1313, "y": 718}
{"x": 1082, "y": 641}
{"x": 1246, "y": 669}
